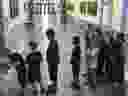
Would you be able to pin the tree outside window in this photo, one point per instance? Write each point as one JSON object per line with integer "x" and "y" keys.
{"x": 88, "y": 8}
{"x": 68, "y": 8}
{"x": 83, "y": 7}
{"x": 92, "y": 8}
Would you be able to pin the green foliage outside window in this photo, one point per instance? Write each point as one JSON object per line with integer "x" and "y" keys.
{"x": 83, "y": 7}
{"x": 68, "y": 7}
{"x": 92, "y": 9}
{"x": 86, "y": 8}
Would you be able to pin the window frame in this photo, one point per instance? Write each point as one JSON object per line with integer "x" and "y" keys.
{"x": 13, "y": 9}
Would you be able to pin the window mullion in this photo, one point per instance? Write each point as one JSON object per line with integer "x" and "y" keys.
{"x": 87, "y": 9}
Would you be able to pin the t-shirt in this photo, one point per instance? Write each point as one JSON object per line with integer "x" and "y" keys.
{"x": 17, "y": 58}
{"x": 76, "y": 55}
{"x": 33, "y": 60}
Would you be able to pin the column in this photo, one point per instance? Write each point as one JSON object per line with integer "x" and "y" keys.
{"x": 44, "y": 42}
{"x": 107, "y": 12}
{"x": 100, "y": 10}
{"x": 22, "y": 14}
{"x": 5, "y": 19}
{"x": 3, "y": 14}
{"x": 3, "y": 23}
{"x": 52, "y": 14}
{"x": 59, "y": 9}
{"x": 6, "y": 7}
{"x": 63, "y": 18}
{"x": 14, "y": 10}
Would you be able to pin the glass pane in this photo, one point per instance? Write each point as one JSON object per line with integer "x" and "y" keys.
{"x": 92, "y": 9}
{"x": 83, "y": 7}
{"x": 68, "y": 8}
{"x": 14, "y": 10}
{"x": 36, "y": 8}
{"x": 51, "y": 8}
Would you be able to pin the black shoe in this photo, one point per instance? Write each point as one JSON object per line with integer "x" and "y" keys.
{"x": 76, "y": 85}
{"x": 35, "y": 92}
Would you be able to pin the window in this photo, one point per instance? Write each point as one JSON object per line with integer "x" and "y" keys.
{"x": 68, "y": 8}
{"x": 80, "y": 7}
{"x": 36, "y": 8}
{"x": 88, "y": 8}
{"x": 39, "y": 7}
{"x": 92, "y": 9}
{"x": 83, "y": 7}
{"x": 14, "y": 10}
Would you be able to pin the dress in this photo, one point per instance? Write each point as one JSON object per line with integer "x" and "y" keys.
{"x": 33, "y": 61}
{"x": 118, "y": 61}
{"x": 53, "y": 59}
{"x": 75, "y": 61}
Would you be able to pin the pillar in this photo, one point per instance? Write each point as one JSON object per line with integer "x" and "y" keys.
{"x": 100, "y": 10}
{"x": 5, "y": 19}
{"x": 107, "y": 12}
{"x": 3, "y": 22}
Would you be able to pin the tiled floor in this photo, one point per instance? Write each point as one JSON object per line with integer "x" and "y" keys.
{"x": 104, "y": 89}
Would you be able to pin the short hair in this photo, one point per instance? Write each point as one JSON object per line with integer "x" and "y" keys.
{"x": 99, "y": 31}
{"x": 76, "y": 39}
{"x": 120, "y": 36}
{"x": 50, "y": 31}
{"x": 33, "y": 44}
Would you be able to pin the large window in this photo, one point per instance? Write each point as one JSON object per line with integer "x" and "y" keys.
{"x": 68, "y": 8}
{"x": 92, "y": 9}
{"x": 80, "y": 7}
{"x": 14, "y": 10}
{"x": 36, "y": 7}
{"x": 42, "y": 7}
